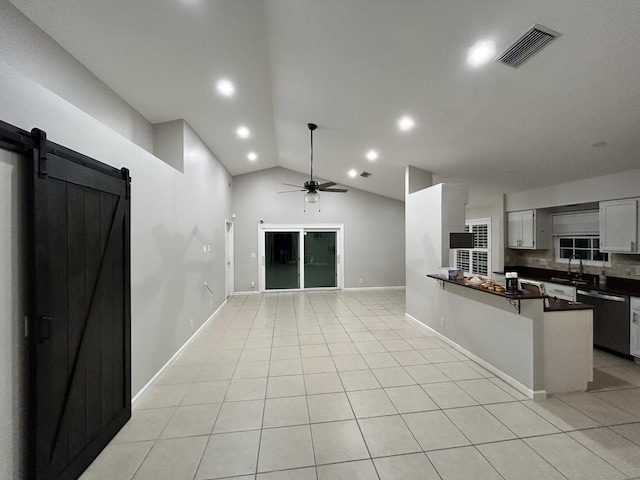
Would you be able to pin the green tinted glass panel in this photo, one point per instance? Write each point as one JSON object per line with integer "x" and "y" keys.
{"x": 281, "y": 260}
{"x": 320, "y": 259}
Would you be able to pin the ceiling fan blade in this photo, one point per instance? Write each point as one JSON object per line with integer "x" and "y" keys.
{"x": 291, "y": 191}
{"x": 291, "y": 185}
{"x": 335, "y": 190}
{"x": 326, "y": 184}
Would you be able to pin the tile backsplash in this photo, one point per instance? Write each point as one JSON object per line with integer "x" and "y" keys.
{"x": 623, "y": 266}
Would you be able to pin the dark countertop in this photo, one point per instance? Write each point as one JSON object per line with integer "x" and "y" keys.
{"x": 550, "y": 304}
{"x": 615, "y": 285}
{"x": 553, "y": 304}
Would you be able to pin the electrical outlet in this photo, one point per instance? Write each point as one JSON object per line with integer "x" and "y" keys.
{"x": 253, "y": 284}
{"x": 637, "y": 269}
{"x": 359, "y": 280}
{"x": 542, "y": 261}
{"x": 442, "y": 322}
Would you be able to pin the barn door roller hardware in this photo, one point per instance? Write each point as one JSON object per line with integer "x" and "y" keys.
{"x": 40, "y": 149}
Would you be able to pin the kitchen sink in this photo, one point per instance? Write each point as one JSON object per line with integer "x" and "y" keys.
{"x": 568, "y": 281}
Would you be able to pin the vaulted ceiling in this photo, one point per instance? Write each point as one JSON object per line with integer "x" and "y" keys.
{"x": 355, "y": 67}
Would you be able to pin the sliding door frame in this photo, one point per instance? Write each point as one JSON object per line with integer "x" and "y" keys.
{"x": 301, "y": 229}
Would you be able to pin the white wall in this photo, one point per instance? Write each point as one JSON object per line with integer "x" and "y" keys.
{"x": 431, "y": 214}
{"x": 34, "y": 54}
{"x": 173, "y": 214}
{"x": 168, "y": 143}
{"x": 607, "y": 187}
{"x": 416, "y": 179}
{"x": 373, "y": 226}
{"x": 12, "y": 311}
{"x": 489, "y": 327}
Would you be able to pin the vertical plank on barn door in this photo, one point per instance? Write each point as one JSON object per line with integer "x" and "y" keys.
{"x": 93, "y": 249}
{"x": 76, "y": 254}
{"x": 106, "y": 310}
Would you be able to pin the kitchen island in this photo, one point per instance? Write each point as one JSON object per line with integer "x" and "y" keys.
{"x": 538, "y": 345}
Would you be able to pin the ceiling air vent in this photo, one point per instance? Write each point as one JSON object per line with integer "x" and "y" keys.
{"x": 527, "y": 46}
{"x": 365, "y": 174}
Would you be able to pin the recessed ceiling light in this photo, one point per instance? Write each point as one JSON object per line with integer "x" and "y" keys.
{"x": 481, "y": 53}
{"x": 372, "y": 155}
{"x": 243, "y": 132}
{"x": 225, "y": 88}
{"x": 353, "y": 173}
{"x": 406, "y": 123}
{"x": 252, "y": 156}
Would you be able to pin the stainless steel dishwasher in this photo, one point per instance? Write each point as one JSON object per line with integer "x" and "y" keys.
{"x": 610, "y": 319}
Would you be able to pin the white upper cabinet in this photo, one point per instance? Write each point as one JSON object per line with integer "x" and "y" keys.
{"x": 528, "y": 229}
{"x": 619, "y": 226}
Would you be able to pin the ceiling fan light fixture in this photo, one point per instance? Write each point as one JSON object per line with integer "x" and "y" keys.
{"x": 312, "y": 197}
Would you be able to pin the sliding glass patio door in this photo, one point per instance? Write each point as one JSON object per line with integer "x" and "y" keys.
{"x": 320, "y": 264}
{"x": 299, "y": 257}
{"x": 282, "y": 260}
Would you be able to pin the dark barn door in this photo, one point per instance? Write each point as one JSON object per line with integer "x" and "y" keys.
{"x": 81, "y": 393}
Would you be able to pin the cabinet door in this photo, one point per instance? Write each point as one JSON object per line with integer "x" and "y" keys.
{"x": 528, "y": 229}
{"x": 514, "y": 228}
{"x": 619, "y": 226}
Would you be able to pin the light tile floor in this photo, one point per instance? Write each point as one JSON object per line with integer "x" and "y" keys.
{"x": 338, "y": 385}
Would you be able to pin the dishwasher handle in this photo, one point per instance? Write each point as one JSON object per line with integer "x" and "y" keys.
{"x": 603, "y": 296}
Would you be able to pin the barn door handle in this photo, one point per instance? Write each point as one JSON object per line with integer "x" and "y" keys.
{"x": 44, "y": 326}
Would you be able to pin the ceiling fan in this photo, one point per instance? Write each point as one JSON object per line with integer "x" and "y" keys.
{"x": 312, "y": 187}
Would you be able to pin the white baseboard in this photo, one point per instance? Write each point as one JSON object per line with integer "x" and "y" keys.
{"x": 356, "y": 289}
{"x": 533, "y": 394}
{"x": 346, "y": 289}
{"x": 138, "y": 396}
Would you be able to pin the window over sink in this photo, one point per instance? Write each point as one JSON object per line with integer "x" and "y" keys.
{"x": 585, "y": 247}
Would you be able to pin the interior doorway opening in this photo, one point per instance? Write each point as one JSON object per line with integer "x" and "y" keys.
{"x": 228, "y": 257}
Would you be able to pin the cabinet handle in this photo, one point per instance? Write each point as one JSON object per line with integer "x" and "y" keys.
{"x": 635, "y": 317}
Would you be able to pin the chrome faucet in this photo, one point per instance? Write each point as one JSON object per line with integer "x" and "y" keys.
{"x": 576, "y": 257}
